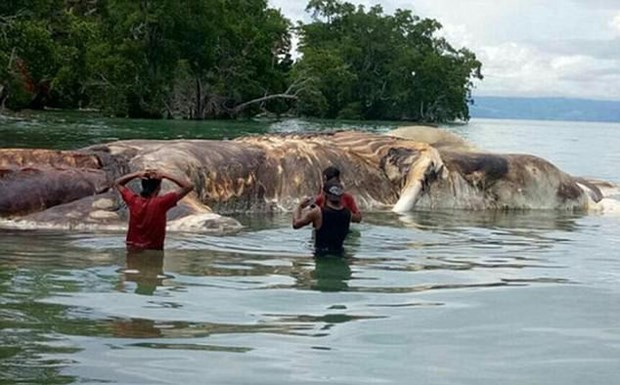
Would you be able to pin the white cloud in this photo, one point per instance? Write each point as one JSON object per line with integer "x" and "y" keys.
{"x": 603, "y": 4}
{"x": 457, "y": 35}
{"x": 513, "y": 70}
{"x": 524, "y": 70}
{"x": 565, "y": 48}
{"x": 615, "y": 24}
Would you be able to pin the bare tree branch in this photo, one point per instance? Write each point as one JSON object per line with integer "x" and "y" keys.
{"x": 243, "y": 106}
{"x": 291, "y": 93}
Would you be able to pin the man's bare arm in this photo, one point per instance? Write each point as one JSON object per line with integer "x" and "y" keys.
{"x": 303, "y": 217}
{"x": 123, "y": 180}
{"x": 185, "y": 185}
{"x": 356, "y": 214}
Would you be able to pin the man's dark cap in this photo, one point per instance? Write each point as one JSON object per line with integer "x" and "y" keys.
{"x": 334, "y": 189}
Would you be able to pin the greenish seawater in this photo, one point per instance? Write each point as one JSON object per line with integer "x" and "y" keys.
{"x": 431, "y": 297}
{"x": 63, "y": 130}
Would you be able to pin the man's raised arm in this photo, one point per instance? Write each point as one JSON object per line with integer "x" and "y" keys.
{"x": 185, "y": 185}
{"x": 123, "y": 180}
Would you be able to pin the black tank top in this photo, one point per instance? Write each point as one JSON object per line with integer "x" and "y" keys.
{"x": 335, "y": 227}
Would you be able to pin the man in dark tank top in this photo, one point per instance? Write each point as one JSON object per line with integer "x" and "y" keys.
{"x": 330, "y": 222}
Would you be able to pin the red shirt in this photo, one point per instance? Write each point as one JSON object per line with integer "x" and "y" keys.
{"x": 147, "y": 219}
{"x": 347, "y": 201}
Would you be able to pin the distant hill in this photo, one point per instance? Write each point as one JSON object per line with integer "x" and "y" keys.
{"x": 545, "y": 109}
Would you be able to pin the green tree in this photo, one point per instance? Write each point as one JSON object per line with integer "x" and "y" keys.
{"x": 368, "y": 65}
{"x": 189, "y": 58}
{"x": 234, "y": 52}
{"x": 132, "y": 60}
{"x": 202, "y": 59}
{"x": 42, "y": 47}
{"x": 145, "y": 58}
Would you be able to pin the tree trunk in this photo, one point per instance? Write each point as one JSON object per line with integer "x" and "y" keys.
{"x": 4, "y": 94}
{"x": 41, "y": 96}
{"x": 199, "y": 112}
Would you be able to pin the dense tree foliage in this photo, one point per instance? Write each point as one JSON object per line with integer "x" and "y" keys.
{"x": 226, "y": 58}
{"x": 144, "y": 58}
{"x": 374, "y": 66}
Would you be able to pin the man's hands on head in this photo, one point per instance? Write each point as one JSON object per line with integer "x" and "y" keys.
{"x": 151, "y": 173}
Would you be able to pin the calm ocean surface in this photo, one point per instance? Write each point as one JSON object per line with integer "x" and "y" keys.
{"x": 429, "y": 298}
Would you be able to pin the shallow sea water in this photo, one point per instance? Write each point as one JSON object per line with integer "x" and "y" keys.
{"x": 429, "y": 298}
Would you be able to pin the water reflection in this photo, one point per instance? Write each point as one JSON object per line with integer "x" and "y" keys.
{"x": 506, "y": 219}
{"x": 331, "y": 273}
{"x": 64, "y": 130}
{"x": 68, "y": 130}
{"x": 146, "y": 269}
{"x": 239, "y": 294}
{"x": 145, "y": 328}
{"x": 523, "y": 293}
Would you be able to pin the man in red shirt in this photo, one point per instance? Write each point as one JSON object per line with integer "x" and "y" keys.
{"x": 332, "y": 175}
{"x": 147, "y": 211}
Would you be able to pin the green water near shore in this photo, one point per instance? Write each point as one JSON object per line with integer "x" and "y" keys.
{"x": 469, "y": 298}
{"x": 72, "y": 130}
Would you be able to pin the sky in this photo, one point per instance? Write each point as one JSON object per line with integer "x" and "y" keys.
{"x": 528, "y": 48}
